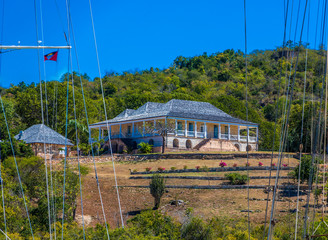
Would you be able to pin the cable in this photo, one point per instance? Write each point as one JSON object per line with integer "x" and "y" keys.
{"x": 17, "y": 170}
{"x": 3, "y": 195}
{"x": 276, "y": 118}
{"x": 109, "y": 138}
{"x": 42, "y": 114}
{"x": 286, "y": 124}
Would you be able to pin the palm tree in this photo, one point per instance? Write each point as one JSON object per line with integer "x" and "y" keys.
{"x": 82, "y": 130}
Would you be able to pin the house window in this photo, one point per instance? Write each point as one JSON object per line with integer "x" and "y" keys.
{"x": 191, "y": 127}
{"x": 129, "y": 129}
{"x": 179, "y": 125}
{"x": 202, "y": 128}
{"x": 226, "y": 130}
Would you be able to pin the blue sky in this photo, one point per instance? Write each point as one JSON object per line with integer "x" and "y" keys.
{"x": 137, "y": 34}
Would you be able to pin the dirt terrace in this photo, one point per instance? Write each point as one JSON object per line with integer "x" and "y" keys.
{"x": 206, "y": 203}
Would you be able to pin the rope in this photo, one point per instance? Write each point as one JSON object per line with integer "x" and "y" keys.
{"x": 42, "y": 113}
{"x": 102, "y": 91}
{"x": 3, "y": 195}
{"x": 315, "y": 142}
{"x": 276, "y": 118}
{"x": 247, "y": 165}
{"x": 5, "y": 234}
{"x": 301, "y": 139}
{"x": 286, "y": 125}
{"x": 17, "y": 170}
{"x": 76, "y": 135}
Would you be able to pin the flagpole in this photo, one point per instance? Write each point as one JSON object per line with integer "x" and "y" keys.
{"x": 33, "y": 47}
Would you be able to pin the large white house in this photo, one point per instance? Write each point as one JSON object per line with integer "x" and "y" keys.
{"x": 196, "y": 126}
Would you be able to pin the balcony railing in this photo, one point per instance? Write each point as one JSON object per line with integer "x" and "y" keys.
{"x": 200, "y": 134}
{"x": 180, "y": 132}
{"x": 190, "y": 133}
{"x": 224, "y": 136}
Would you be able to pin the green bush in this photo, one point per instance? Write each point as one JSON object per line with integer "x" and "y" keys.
{"x": 306, "y": 168}
{"x": 236, "y": 178}
{"x": 145, "y": 147}
{"x": 157, "y": 189}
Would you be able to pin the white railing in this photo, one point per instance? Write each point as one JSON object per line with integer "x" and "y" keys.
{"x": 224, "y": 136}
{"x": 252, "y": 139}
{"x": 200, "y": 134}
{"x": 190, "y": 133}
{"x": 180, "y": 132}
{"x": 234, "y": 137}
{"x": 243, "y": 138}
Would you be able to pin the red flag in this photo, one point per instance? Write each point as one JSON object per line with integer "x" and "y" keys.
{"x": 51, "y": 56}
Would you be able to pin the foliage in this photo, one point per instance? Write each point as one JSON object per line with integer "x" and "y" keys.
{"x": 236, "y": 178}
{"x": 21, "y": 149}
{"x": 145, "y": 147}
{"x": 307, "y": 169}
{"x": 222, "y": 164}
{"x": 157, "y": 189}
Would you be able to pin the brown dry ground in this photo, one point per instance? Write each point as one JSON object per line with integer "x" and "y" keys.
{"x": 207, "y": 203}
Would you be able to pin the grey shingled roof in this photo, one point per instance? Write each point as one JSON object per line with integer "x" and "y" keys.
{"x": 176, "y": 108}
{"x": 40, "y": 133}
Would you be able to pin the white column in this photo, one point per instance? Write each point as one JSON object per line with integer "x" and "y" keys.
{"x": 120, "y": 130}
{"x": 186, "y": 130}
{"x": 102, "y": 133}
{"x": 143, "y": 128}
{"x": 219, "y": 131}
{"x": 99, "y": 134}
{"x": 195, "y": 130}
{"x": 133, "y": 129}
{"x": 257, "y": 134}
{"x": 89, "y": 135}
{"x": 154, "y": 128}
{"x": 176, "y": 127}
{"x": 205, "y": 129}
{"x": 229, "y": 132}
{"x": 238, "y": 133}
{"x": 248, "y": 134}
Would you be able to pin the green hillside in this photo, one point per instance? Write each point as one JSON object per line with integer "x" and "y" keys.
{"x": 218, "y": 78}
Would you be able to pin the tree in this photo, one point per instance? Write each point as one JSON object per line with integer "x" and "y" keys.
{"x": 306, "y": 169}
{"x": 82, "y": 131}
{"x": 161, "y": 128}
{"x": 145, "y": 147}
{"x": 157, "y": 189}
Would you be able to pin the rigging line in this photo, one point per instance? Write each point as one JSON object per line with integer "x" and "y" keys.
{"x": 2, "y": 27}
{"x": 316, "y": 28}
{"x": 5, "y": 234}
{"x": 325, "y": 145}
{"x": 320, "y": 132}
{"x": 291, "y": 20}
{"x": 3, "y": 195}
{"x": 276, "y": 117}
{"x": 42, "y": 113}
{"x": 76, "y": 131}
{"x": 286, "y": 123}
{"x": 246, "y": 73}
{"x": 298, "y": 14}
{"x": 65, "y": 160}
{"x": 301, "y": 139}
{"x": 102, "y": 91}
{"x": 17, "y": 170}
{"x": 314, "y": 148}
{"x": 44, "y": 65}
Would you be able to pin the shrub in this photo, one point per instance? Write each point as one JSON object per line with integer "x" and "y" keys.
{"x": 197, "y": 167}
{"x": 247, "y": 164}
{"x": 157, "y": 189}
{"x": 260, "y": 164}
{"x": 222, "y": 164}
{"x": 285, "y": 165}
{"x": 235, "y": 165}
{"x": 205, "y": 169}
{"x": 185, "y": 167}
{"x": 307, "y": 169}
{"x": 145, "y": 147}
{"x": 173, "y": 168}
{"x": 148, "y": 169}
{"x": 236, "y": 178}
{"x": 161, "y": 169}
{"x": 135, "y": 170}
{"x": 273, "y": 165}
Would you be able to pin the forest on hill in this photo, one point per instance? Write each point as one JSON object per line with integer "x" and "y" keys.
{"x": 218, "y": 78}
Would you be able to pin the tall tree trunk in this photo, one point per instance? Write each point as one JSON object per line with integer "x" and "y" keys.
{"x": 157, "y": 203}
{"x": 163, "y": 146}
